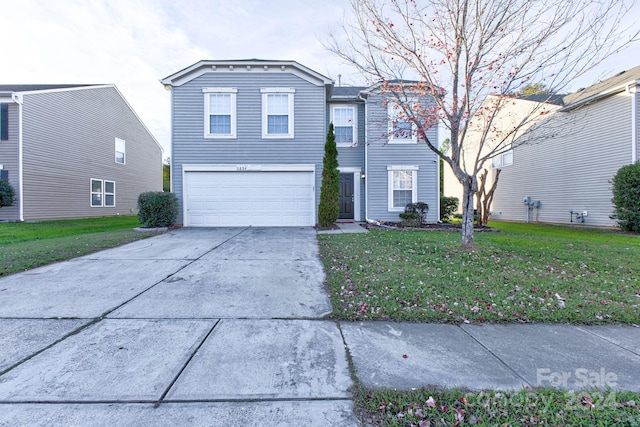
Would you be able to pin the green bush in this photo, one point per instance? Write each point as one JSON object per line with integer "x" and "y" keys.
{"x": 329, "y": 208}
{"x": 157, "y": 209}
{"x": 414, "y": 214}
{"x": 7, "y": 193}
{"x": 626, "y": 197}
{"x": 448, "y": 205}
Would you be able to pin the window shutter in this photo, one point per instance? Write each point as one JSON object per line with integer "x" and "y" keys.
{"x": 4, "y": 122}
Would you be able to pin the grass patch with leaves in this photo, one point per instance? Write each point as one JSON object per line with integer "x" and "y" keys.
{"x": 525, "y": 273}
{"x": 26, "y": 245}
{"x": 549, "y": 407}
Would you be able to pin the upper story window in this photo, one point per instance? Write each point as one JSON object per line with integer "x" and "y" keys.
{"x": 277, "y": 112}
{"x": 401, "y": 131}
{"x": 120, "y": 151}
{"x": 220, "y": 112}
{"x": 502, "y": 160}
{"x": 343, "y": 118}
{"x": 4, "y": 122}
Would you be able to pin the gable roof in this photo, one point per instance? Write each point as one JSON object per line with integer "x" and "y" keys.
{"x": 346, "y": 92}
{"x": 243, "y": 66}
{"x": 603, "y": 88}
{"x": 37, "y": 87}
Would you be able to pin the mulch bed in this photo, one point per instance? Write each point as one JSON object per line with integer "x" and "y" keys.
{"x": 430, "y": 226}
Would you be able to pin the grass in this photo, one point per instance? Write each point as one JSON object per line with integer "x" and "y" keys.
{"x": 31, "y": 244}
{"x": 548, "y": 407}
{"x": 525, "y": 273}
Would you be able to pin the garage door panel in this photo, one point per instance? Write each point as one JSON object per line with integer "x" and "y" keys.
{"x": 249, "y": 198}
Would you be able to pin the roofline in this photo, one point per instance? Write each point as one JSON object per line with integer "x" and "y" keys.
{"x": 394, "y": 82}
{"x": 595, "y": 97}
{"x": 62, "y": 89}
{"x": 184, "y": 75}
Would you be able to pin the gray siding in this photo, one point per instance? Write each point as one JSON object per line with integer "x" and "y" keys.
{"x": 190, "y": 147}
{"x": 9, "y": 161}
{"x": 69, "y": 138}
{"x": 571, "y": 171}
{"x": 381, "y": 154}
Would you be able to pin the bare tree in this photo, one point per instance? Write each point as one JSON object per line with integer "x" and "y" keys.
{"x": 461, "y": 51}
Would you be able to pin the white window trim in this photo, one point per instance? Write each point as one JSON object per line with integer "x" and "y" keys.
{"x": 414, "y": 184}
{"x": 207, "y": 125}
{"x": 124, "y": 151}
{"x": 273, "y": 90}
{"x": 91, "y": 193}
{"x": 391, "y": 111}
{"x": 104, "y": 194}
{"x": 354, "y": 124}
{"x": 498, "y": 162}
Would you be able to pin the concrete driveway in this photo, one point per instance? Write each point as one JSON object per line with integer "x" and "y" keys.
{"x": 194, "y": 327}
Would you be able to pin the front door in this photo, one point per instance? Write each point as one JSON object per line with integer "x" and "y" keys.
{"x": 346, "y": 196}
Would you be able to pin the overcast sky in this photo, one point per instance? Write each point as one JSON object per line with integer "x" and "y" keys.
{"x": 135, "y": 43}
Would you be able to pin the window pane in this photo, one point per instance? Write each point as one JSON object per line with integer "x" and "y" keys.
{"x": 344, "y": 134}
{"x": 109, "y": 200}
{"x": 401, "y": 198}
{"x": 507, "y": 158}
{"x": 220, "y": 103}
{"x": 96, "y": 186}
{"x": 96, "y": 199}
{"x": 402, "y": 130}
{"x": 343, "y": 116}
{"x": 119, "y": 157}
{"x": 220, "y": 124}
{"x": 402, "y": 180}
{"x": 109, "y": 187}
{"x": 278, "y": 104}
{"x": 277, "y": 124}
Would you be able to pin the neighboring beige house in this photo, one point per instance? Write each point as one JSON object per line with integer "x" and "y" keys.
{"x": 73, "y": 151}
{"x": 503, "y": 120}
{"x": 569, "y": 171}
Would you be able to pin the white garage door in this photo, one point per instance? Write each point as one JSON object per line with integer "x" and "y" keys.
{"x": 229, "y": 199}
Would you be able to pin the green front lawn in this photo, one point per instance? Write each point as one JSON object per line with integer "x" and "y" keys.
{"x": 524, "y": 273}
{"x": 31, "y": 244}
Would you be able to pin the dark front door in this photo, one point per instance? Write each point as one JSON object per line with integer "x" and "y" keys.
{"x": 346, "y": 196}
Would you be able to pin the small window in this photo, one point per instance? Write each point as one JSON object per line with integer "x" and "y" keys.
{"x": 277, "y": 112}
{"x": 4, "y": 122}
{"x": 402, "y": 187}
{"x": 502, "y": 160}
{"x": 96, "y": 193}
{"x": 400, "y": 129}
{"x": 103, "y": 193}
{"x": 109, "y": 194}
{"x": 120, "y": 151}
{"x": 344, "y": 124}
{"x": 220, "y": 112}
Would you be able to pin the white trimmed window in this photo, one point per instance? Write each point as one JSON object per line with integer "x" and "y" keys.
{"x": 502, "y": 160}
{"x": 343, "y": 118}
{"x": 220, "y": 112}
{"x": 120, "y": 151}
{"x": 403, "y": 186}
{"x": 103, "y": 193}
{"x": 277, "y": 112}
{"x": 401, "y": 131}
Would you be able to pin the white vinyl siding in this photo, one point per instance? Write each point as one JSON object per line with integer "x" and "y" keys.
{"x": 403, "y": 187}
{"x": 277, "y": 112}
{"x": 344, "y": 124}
{"x": 120, "y": 151}
{"x": 220, "y": 112}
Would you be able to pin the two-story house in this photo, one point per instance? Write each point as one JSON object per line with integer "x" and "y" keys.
{"x": 73, "y": 151}
{"x": 248, "y": 142}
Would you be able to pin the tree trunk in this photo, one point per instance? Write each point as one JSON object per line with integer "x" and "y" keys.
{"x": 467, "y": 213}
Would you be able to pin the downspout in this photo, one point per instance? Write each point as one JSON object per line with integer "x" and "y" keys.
{"x": 366, "y": 157}
{"x": 634, "y": 120}
{"x": 17, "y": 98}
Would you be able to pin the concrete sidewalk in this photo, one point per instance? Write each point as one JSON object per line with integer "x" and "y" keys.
{"x": 229, "y": 327}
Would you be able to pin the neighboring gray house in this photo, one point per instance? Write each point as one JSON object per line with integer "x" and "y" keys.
{"x": 73, "y": 151}
{"x": 579, "y": 148}
{"x": 248, "y": 142}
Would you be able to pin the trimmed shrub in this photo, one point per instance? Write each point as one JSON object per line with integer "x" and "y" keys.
{"x": 7, "y": 193}
{"x": 415, "y": 212}
{"x": 626, "y": 197}
{"x": 448, "y": 206}
{"x": 329, "y": 208}
{"x": 157, "y": 209}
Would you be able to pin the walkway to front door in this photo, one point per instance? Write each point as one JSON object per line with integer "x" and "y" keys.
{"x": 346, "y": 196}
